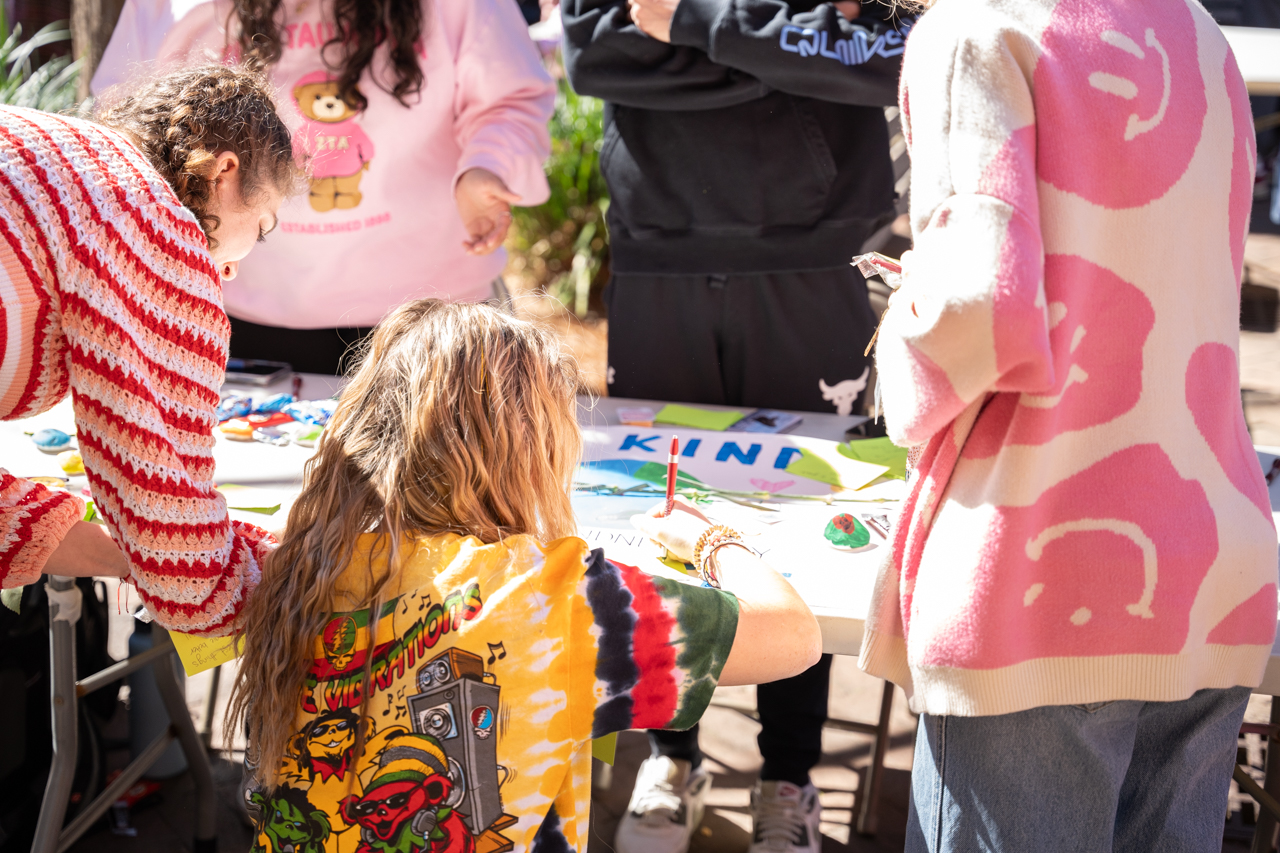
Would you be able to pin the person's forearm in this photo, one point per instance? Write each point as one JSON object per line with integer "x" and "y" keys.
{"x": 767, "y": 605}
{"x": 607, "y": 57}
{"x": 87, "y": 551}
{"x": 817, "y": 53}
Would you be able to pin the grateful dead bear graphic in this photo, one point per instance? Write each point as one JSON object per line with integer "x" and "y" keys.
{"x": 409, "y": 804}
{"x": 291, "y": 823}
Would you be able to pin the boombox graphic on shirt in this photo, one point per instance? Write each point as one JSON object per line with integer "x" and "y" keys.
{"x": 459, "y": 708}
{"x": 428, "y": 778}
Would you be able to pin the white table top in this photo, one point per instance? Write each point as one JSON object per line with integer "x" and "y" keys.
{"x": 280, "y": 469}
{"x": 1257, "y": 53}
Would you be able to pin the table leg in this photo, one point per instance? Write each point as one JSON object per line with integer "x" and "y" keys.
{"x": 210, "y": 705}
{"x": 868, "y": 811}
{"x": 206, "y": 839}
{"x": 62, "y": 668}
{"x": 601, "y": 775}
{"x": 1265, "y": 830}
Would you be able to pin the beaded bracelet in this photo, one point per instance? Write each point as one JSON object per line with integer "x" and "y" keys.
{"x": 711, "y": 540}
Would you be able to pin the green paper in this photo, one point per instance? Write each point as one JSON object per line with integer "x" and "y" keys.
{"x": 262, "y": 510}
{"x": 845, "y": 531}
{"x": 656, "y": 473}
{"x": 605, "y": 748}
{"x": 697, "y": 418}
{"x": 878, "y": 451}
{"x": 851, "y": 474}
{"x": 231, "y": 491}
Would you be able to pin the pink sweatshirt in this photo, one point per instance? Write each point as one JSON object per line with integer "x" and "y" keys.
{"x": 380, "y": 225}
{"x": 1088, "y": 521}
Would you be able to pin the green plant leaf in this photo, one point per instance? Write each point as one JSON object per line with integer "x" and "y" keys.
{"x": 50, "y": 86}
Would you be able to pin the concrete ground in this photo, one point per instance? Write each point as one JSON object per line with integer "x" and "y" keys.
{"x": 164, "y": 821}
{"x": 728, "y": 738}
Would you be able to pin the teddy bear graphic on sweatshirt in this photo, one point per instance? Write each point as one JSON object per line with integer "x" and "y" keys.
{"x": 335, "y": 148}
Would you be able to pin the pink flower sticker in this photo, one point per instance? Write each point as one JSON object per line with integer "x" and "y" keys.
{"x": 1120, "y": 101}
{"x": 770, "y": 485}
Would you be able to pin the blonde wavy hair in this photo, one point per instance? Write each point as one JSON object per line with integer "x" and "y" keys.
{"x": 459, "y": 419}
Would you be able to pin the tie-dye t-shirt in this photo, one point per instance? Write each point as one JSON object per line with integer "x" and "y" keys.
{"x": 493, "y": 668}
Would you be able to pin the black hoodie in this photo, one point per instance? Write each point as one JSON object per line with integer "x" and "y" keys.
{"x": 755, "y": 142}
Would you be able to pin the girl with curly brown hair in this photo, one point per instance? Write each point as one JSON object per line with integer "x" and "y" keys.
{"x": 421, "y": 123}
{"x": 115, "y": 238}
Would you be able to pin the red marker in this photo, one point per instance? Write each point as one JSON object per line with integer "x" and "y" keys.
{"x": 673, "y": 469}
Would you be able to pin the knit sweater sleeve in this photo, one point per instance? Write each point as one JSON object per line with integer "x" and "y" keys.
{"x": 33, "y": 520}
{"x": 503, "y": 99}
{"x": 146, "y": 341}
{"x": 971, "y": 316}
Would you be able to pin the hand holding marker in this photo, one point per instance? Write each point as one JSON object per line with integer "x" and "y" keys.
{"x": 890, "y": 272}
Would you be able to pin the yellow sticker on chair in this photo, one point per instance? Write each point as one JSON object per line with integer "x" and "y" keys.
{"x": 201, "y": 653}
{"x": 605, "y": 748}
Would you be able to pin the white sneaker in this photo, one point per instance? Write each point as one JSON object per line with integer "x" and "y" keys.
{"x": 665, "y": 808}
{"x": 784, "y": 818}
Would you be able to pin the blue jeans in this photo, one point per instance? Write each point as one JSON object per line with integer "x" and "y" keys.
{"x": 1124, "y": 776}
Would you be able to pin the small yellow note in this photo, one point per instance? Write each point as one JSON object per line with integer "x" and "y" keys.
{"x": 201, "y": 653}
{"x": 605, "y": 748}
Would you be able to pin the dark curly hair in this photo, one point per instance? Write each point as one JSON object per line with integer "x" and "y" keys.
{"x": 182, "y": 120}
{"x": 360, "y": 28}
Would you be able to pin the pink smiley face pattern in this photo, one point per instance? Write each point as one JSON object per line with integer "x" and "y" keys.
{"x": 1080, "y": 198}
{"x": 1126, "y": 101}
{"x": 1098, "y": 323}
{"x": 1107, "y": 606}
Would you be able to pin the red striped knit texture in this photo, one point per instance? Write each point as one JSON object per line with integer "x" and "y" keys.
{"x": 120, "y": 306}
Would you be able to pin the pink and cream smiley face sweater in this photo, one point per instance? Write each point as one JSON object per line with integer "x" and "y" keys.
{"x": 108, "y": 292}
{"x": 1088, "y": 520}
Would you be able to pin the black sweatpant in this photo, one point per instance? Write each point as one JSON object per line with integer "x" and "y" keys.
{"x": 765, "y": 340}
{"x": 792, "y": 712}
{"x": 325, "y": 351}
{"x": 746, "y": 340}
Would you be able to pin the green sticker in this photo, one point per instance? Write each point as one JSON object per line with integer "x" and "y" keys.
{"x": 691, "y": 416}
{"x": 845, "y": 531}
{"x": 878, "y": 451}
{"x": 605, "y": 748}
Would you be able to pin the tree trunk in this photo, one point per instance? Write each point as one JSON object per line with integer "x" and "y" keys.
{"x": 91, "y": 24}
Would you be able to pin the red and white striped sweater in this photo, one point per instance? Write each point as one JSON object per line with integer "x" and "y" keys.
{"x": 107, "y": 290}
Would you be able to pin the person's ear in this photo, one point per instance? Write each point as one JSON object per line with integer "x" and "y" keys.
{"x": 226, "y": 165}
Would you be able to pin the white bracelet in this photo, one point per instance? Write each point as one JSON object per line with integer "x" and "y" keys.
{"x": 708, "y": 573}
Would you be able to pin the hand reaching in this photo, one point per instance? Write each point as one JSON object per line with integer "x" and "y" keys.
{"x": 86, "y": 551}
{"x": 484, "y": 203}
{"x": 849, "y": 8}
{"x": 653, "y": 17}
